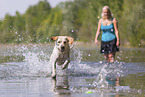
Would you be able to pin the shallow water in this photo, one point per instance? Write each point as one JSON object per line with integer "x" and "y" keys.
{"x": 25, "y": 72}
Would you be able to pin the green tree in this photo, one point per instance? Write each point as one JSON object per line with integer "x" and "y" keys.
{"x": 19, "y": 28}
{"x": 132, "y": 14}
{"x": 77, "y": 18}
{"x": 7, "y": 26}
{"x": 33, "y": 18}
{"x": 51, "y": 26}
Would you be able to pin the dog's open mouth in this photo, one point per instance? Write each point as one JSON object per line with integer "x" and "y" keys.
{"x": 62, "y": 49}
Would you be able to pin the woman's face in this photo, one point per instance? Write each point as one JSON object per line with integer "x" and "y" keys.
{"x": 106, "y": 13}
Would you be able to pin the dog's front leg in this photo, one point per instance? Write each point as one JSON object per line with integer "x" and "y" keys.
{"x": 54, "y": 84}
{"x": 53, "y": 69}
{"x": 65, "y": 64}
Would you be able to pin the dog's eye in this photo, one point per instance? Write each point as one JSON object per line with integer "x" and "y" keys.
{"x": 59, "y": 41}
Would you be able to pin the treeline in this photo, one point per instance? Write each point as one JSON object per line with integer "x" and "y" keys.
{"x": 77, "y": 18}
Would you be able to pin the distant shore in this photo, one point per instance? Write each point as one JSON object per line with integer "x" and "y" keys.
{"x": 77, "y": 43}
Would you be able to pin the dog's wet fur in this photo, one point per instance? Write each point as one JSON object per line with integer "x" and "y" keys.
{"x": 61, "y": 53}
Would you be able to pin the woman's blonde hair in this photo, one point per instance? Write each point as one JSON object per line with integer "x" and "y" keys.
{"x": 104, "y": 8}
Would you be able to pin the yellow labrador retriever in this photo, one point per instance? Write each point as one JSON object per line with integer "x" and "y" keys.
{"x": 61, "y": 53}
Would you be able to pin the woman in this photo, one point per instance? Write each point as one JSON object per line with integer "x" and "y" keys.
{"x": 110, "y": 38}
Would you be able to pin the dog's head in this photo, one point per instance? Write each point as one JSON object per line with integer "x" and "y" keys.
{"x": 62, "y": 42}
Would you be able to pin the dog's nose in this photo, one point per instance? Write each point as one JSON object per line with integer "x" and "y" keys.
{"x": 62, "y": 48}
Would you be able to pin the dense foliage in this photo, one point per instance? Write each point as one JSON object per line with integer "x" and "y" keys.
{"x": 77, "y": 18}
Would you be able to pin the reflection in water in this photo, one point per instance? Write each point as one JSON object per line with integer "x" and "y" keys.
{"x": 117, "y": 82}
{"x": 61, "y": 85}
{"x": 108, "y": 74}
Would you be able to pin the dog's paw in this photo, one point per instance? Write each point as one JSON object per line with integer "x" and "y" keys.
{"x": 53, "y": 75}
{"x": 63, "y": 67}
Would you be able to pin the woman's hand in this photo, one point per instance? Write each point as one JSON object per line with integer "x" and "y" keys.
{"x": 117, "y": 43}
{"x": 96, "y": 41}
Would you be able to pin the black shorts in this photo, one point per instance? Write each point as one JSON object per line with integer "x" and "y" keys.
{"x": 109, "y": 47}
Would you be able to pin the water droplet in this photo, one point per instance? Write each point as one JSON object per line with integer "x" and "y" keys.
{"x": 101, "y": 62}
{"x": 72, "y": 30}
{"x": 20, "y": 39}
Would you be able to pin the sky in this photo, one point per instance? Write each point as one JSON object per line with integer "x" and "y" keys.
{"x": 11, "y": 6}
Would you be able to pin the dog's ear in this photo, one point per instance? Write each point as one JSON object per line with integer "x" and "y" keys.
{"x": 54, "y": 38}
{"x": 70, "y": 39}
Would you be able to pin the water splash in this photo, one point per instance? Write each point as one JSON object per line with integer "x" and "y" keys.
{"x": 36, "y": 63}
{"x": 35, "y": 60}
{"x": 76, "y": 54}
{"x": 101, "y": 79}
{"x": 108, "y": 71}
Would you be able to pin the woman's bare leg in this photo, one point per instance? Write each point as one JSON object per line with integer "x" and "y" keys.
{"x": 111, "y": 57}
{"x": 106, "y": 57}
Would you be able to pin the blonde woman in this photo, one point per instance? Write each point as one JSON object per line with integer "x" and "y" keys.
{"x": 110, "y": 38}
